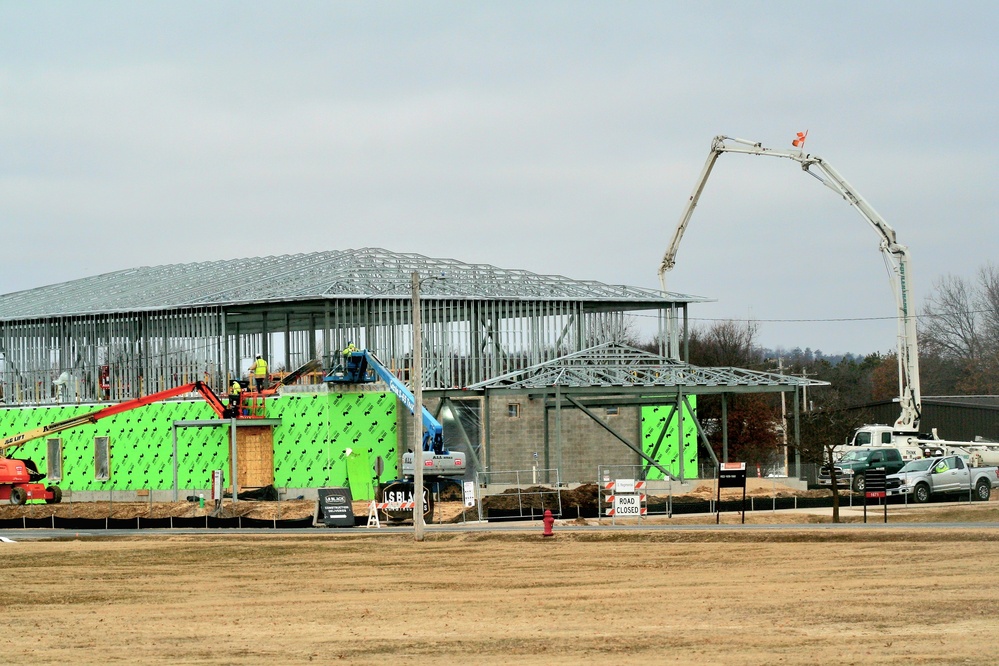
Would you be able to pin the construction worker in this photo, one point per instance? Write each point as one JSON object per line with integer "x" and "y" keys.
{"x": 348, "y": 350}
{"x": 259, "y": 371}
{"x": 234, "y": 390}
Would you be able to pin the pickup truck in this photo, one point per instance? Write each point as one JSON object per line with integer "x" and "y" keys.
{"x": 942, "y": 475}
{"x": 852, "y": 467}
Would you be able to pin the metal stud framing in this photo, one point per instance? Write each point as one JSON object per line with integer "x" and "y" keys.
{"x": 160, "y": 327}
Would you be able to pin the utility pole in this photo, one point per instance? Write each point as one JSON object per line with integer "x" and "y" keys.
{"x": 804, "y": 389}
{"x": 783, "y": 417}
{"x": 417, "y": 412}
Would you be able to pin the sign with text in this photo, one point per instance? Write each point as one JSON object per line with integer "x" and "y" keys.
{"x": 874, "y": 484}
{"x": 627, "y": 505}
{"x": 217, "y": 485}
{"x": 875, "y": 487}
{"x": 469, "y": 488}
{"x": 624, "y": 486}
{"x": 732, "y": 475}
{"x": 398, "y": 496}
{"x": 336, "y": 507}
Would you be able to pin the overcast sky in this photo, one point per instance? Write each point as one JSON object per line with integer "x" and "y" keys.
{"x": 557, "y": 137}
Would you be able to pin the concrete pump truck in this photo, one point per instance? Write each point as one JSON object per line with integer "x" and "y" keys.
{"x": 904, "y": 433}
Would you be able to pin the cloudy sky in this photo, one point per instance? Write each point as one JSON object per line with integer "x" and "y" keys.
{"x": 556, "y": 137}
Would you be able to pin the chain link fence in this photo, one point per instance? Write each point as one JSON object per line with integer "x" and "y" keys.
{"x": 517, "y": 494}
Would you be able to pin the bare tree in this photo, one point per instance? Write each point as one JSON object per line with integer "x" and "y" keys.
{"x": 952, "y": 328}
{"x": 988, "y": 301}
{"x": 821, "y": 433}
{"x": 960, "y": 329}
{"x": 753, "y": 435}
{"x": 726, "y": 344}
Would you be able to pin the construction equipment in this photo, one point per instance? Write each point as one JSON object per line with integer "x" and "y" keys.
{"x": 253, "y": 404}
{"x": 904, "y": 434}
{"x": 362, "y": 366}
{"x": 439, "y": 464}
{"x": 896, "y": 258}
{"x": 19, "y": 476}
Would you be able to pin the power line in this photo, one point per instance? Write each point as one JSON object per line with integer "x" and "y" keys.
{"x": 821, "y": 321}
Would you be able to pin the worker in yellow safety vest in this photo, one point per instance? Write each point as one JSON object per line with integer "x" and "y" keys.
{"x": 348, "y": 350}
{"x": 259, "y": 370}
{"x": 234, "y": 390}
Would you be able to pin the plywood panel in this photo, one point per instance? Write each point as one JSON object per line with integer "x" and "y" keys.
{"x": 254, "y": 456}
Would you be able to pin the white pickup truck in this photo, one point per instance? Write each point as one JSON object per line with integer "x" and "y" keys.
{"x": 942, "y": 475}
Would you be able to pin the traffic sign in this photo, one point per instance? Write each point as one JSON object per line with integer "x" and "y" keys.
{"x": 627, "y": 505}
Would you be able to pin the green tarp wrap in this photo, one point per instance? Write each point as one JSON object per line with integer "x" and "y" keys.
{"x": 309, "y": 445}
{"x": 654, "y": 420}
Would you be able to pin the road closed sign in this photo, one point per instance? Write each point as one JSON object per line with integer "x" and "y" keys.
{"x": 627, "y": 505}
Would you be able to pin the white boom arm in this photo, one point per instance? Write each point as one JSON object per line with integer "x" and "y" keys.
{"x": 896, "y": 257}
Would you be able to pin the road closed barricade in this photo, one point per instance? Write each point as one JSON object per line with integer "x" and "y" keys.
{"x": 626, "y": 498}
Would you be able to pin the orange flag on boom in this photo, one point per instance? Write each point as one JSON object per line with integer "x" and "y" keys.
{"x": 800, "y": 141}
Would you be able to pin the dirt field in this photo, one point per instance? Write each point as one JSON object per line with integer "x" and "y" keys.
{"x": 733, "y": 596}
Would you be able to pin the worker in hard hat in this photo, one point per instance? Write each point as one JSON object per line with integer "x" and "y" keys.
{"x": 235, "y": 389}
{"x": 259, "y": 372}
{"x": 348, "y": 350}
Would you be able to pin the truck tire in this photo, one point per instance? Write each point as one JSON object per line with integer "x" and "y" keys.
{"x": 859, "y": 483}
{"x": 983, "y": 490}
{"x": 921, "y": 493}
{"x": 18, "y": 496}
{"x": 56, "y": 495}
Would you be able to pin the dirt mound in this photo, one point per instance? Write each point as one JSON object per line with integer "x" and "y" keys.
{"x": 287, "y": 510}
{"x": 542, "y": 497}
{"x": 585, "y": 499}
{"x": 708, "y": 491}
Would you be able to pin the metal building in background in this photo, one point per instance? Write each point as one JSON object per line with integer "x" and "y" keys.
{"x": 962, "y": 417}
{"x": 131, "y": 332}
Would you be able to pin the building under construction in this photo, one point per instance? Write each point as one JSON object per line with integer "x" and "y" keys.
{"x": 504, "y": 352}
{"x": 121, "y": 334}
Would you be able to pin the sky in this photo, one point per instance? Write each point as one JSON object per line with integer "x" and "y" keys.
{"x": 556, "y": 137}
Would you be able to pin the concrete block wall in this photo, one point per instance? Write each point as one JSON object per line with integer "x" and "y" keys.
{"x": 585, "y": 445}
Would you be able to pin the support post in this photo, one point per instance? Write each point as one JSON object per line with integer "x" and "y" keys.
{"x": 233, "y": 461}
{"x": 797, "y": 436}
{"x": 679, "y": 427}
{"x": 176, "y": 475}
{"x": 558, "y": 429}
{"x": 417, "y": 413}
{"x": 724, "y": 425}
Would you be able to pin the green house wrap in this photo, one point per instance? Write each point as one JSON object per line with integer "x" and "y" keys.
{"x": 661, "y": 440}
{"x": 310, "y": 444}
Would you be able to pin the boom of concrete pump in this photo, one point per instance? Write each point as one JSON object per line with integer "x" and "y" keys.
{"x": 896, "y": 258}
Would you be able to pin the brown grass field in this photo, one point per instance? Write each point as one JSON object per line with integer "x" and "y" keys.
{"x": 843, "y": 595}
